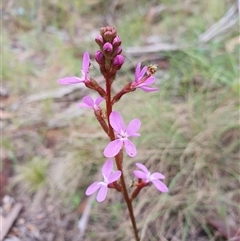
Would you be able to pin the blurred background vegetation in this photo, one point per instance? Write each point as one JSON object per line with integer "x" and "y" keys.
{"x": 190, "y": 129}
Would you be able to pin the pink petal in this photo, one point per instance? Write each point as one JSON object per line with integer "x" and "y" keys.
{"x": 92, "y": 188}
{"x": 69, "y": 80}
{"x": 148, "y": 89}
{"x": 117, "y": 122}
{"x": 149, "y": 81}
{"x": 83, "y": 105}
{"x": 140, "y": 174}
{"x": 107, "y": 168}
{"x": 114, "y": 176}
{"x": 99, "y": 100}
{"x": 130, "y": 148}
{"x": 135, "y": 135}
{"x": 137, "y": 71}
{"x": 133, "y": 126}
{"x": 113, "y": 148}
{"x": 88, "y": 101}
{"x": 157, "y": 175}
{"x": 160, "y": 185}
{"x": 142, "y": 73}
{"x": 102, "y": 193}
{"x": 142, "y": 167}
{"x": 85, "y": 63}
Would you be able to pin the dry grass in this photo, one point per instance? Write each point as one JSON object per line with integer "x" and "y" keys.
{"x": 198, "y": 152}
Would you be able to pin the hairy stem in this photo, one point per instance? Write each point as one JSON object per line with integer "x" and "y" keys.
{"x": 119, "y": 159}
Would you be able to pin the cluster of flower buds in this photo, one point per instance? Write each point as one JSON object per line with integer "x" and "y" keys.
{"x": 109, "y": 56}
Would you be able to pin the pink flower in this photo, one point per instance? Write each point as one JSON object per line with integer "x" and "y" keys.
{"x": 147, "y": 177}
{"x": 117, "y": 123}
{"x": 88, "y": 102}
{"x": 109, "y": 177}
{"x": 139, "y": 75}
{"x": 74, "y": 79}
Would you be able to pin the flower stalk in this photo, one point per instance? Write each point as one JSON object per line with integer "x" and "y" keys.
{"x": 119, "y": 160}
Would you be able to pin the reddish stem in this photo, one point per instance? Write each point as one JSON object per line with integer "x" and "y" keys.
{"x": 128, "y": 88}
{"x": 137, "y": 189}
{"x": 119, "y": 158}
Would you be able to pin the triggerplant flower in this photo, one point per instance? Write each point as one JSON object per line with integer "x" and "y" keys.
{"x": 147, "y": 177}
{"x": 109, "y": 177}
{"x": 117, "y": 123}
{"x": 139, "y": 75}
{"x": 74, "y": 79}
{"x": 88, "y": 102}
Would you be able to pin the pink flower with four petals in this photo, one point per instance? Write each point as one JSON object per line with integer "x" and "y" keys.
{"x": 139, "y": 74}
{"x": 88, "y": 102}
{"x": 117, "y": 123}
{"x": 147, "y": 177}
{"x": 74, "y": 79}
{"x": 102, "y": 187}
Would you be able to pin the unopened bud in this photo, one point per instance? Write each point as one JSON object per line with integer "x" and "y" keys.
{"x": 107, "y": 48}
{"x": 117, "y": 41}
{"x": 108, "y": 33}
{"x": 108, "y": 36}
{"x": 99, "y": 40}
{"x": 102, "y": 30}
{"x": 99, "y": 57}
{"x": 119, "y": 50}
{"x": 118, "y": 61}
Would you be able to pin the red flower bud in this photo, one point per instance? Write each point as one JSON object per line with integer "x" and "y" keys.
{"x": 118, "y": 61}
{"x": 99, "y": 40}
{"x": 99, "y": 57}
{"x": 107, "y": 48}
{"x": 117, "y": 41}
{"x": 119, "y": 50}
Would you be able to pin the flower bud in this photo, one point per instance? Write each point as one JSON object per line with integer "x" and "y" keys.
{"x": 107, "y": 47}
{"x": 108, "y": 33}
{"x": 99, "y": 57}
{"x": 118, "y": 61}
{"x": 102, "y": 30}
{"x": 108, "y": 36}
{"x": 119, "y": 50}
{"x": 117, "y": 41}
{"x": 99, "y": 40}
